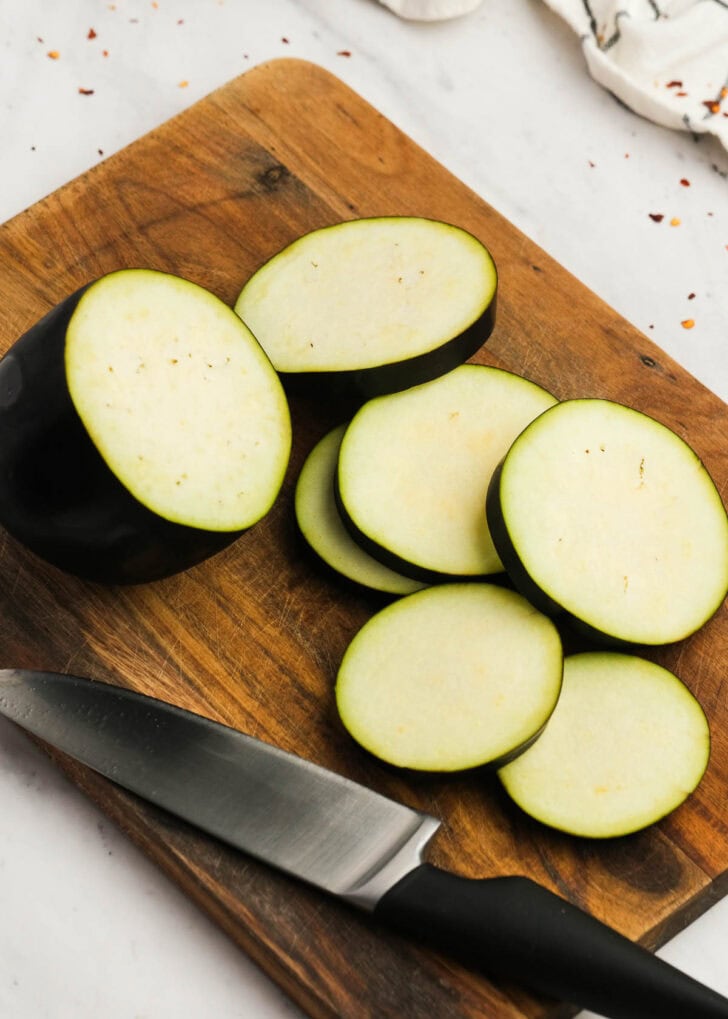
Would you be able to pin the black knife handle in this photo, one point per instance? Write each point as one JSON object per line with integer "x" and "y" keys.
{"x": 514, "y": 928}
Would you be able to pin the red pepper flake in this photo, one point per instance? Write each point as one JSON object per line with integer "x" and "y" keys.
{"x": 100, "y": 151}
{"x": 674, "y": 84}
{"x": 40, "y": 40}
{"x": 691, "y": 297}
{"x": 91, "y": 34}
{"x": 685, "y": 182}
{"x": 712, "y": 105}
{"x": 180, "y": 21}
{"x": 86, "y": 91}
{"x": 343, "y": 53}
{"x": 657, "y": 217}
{"x": 592, "y": 164}
{"x": 104, "y": 53}
{"x": 285, "y": 40}
{"x": 53, "y": 54}
{"x": 688, "y": 323}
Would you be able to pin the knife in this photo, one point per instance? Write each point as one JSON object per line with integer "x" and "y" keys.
{"x": 350, "y": 842}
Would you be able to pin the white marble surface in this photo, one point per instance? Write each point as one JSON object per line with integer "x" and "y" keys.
{"x": 501, "y": 97}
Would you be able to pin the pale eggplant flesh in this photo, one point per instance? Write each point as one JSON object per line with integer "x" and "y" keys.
{"x": 58, "y": 495}
{"x": 607, "y": 519}
{"x": 371, "y": 306}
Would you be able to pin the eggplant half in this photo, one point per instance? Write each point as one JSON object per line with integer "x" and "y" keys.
{"x": 626, "y": 744}
{"x": 414, "y": 469}
{"x": 607, "y": 518}
{"x": 370, "y": 306}
{"x": 451, "y": 677}
{"x": 142, "y": 429}
{"x": 320, "y": 524}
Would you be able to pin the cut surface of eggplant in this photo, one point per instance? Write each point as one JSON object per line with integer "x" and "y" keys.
{"x": 414, "y": 469}
{"x": 143, "y": 429}
{"x": 450, "y": 677}
{"x": 318, "y": 519}
{"x": 178, "y": 398}
{"x": 369, "y": 306}
{"x": 626, "y": 744}
{"x": 603, "y": 514}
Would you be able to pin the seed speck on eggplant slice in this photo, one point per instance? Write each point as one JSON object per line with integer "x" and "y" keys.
{"x": 608, "y": 519}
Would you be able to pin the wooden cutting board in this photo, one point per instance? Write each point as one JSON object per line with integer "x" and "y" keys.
{"x": 253, "y": 638}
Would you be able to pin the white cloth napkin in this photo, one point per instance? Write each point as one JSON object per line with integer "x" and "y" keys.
{"x": 665, "y": 59}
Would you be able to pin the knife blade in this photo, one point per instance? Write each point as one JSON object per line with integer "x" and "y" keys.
{"x": 350, "y": 842}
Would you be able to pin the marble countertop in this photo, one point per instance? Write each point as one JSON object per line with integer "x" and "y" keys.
{"x": 502, "y": 98}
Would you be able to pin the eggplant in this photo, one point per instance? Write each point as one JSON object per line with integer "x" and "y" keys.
{"x": 607, "y": 519}
{"x": 372, "y": 306}
{"x": 626, "y": 744}
{"x": 142, "y": 429}
{"x": 452, "y": 677}
{"x": 414, "y": 469}
{"x": 320, "y": 524}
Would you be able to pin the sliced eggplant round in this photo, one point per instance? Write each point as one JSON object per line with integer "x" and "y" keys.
{"x": 607, "y": 517}
{"x": 414, "y": 469}
{"x": 626, "y": 744}
{"x": 143, "y": 429}
{"x": 370, "y": 306}
{"x": 318, "y": 519}
{"x": 451, "y": 677}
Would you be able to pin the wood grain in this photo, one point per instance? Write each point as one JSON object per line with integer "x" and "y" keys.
{"x": 253, "y": 637}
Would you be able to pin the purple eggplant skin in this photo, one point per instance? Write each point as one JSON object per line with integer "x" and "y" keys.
{"x": 58, "y": 497}
{"x": 352, "y": 387}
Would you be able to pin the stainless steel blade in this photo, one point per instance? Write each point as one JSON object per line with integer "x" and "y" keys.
{"x": 294, "y": 815}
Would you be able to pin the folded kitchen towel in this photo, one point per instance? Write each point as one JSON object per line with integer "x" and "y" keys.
{"x": 665, "y": 59}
